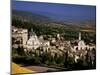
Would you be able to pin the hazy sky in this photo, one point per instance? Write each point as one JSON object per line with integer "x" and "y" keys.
{"x": 58, "y": 11}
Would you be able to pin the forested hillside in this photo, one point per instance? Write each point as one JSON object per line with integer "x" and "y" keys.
{"x": 43, "y": 25}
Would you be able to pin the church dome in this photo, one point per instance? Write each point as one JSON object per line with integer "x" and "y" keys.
{"x": 81, "y": 43}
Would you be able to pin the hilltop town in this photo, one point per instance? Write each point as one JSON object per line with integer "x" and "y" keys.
{"x": 52, "y": 37}
{"x": 56, "y": 45}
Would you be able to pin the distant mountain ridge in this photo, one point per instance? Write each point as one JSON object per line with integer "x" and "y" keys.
{"x": 29, "y": 16}
{"x": 36, "y": 17}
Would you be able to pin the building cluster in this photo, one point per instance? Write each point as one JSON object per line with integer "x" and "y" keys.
{"x": 55, "y": 45}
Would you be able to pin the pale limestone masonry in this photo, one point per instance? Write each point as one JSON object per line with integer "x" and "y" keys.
{"x": 20, "y": 35}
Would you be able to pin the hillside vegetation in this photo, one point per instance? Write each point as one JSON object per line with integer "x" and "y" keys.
{"x": 43, "y": 25}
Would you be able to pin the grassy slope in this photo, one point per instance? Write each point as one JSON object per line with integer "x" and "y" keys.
{"x": 16, "y": 69}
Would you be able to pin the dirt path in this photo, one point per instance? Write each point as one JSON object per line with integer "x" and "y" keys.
{"x": 41, "y": 69}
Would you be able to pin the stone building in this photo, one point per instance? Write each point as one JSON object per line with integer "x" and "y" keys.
{"x": 19, "y": 36}
{"x": 81, "y": 44}
{"x": 32, "y": 42}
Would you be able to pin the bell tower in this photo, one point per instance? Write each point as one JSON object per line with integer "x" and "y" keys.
{"x": 79, "y": 36}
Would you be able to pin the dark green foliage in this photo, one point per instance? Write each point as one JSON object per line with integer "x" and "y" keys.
{"x": 20, "y": 51}
{"x": 89, "y": 37}
{"x": 53, "y": 29}
{"x": 46, "y": 58}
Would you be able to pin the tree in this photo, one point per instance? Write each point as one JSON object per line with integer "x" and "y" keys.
{"x": 20, "y": 51}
